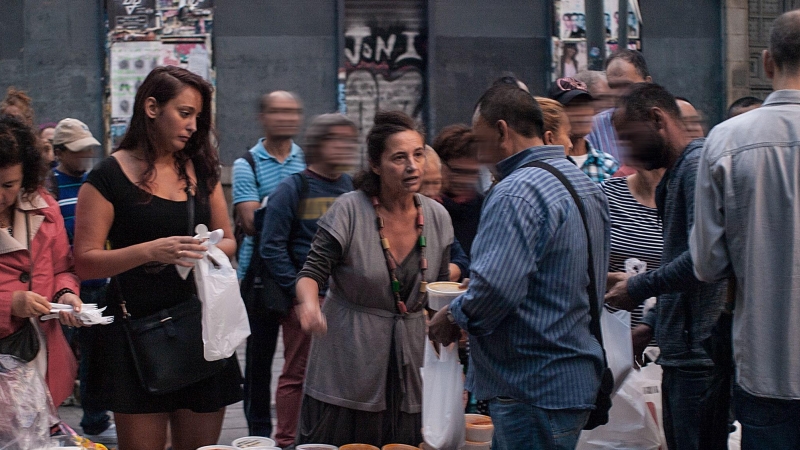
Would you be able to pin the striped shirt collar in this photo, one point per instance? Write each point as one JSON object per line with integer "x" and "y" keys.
{"x": 262, "y": 152}
{"x": 517, "y": 160}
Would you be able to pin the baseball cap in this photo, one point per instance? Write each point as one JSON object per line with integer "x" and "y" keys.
{"x": 74, "y": 134}
{"x": 565, "y": 90}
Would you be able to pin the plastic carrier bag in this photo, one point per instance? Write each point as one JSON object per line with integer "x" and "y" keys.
{"x": 616, "y": 328}
{"x": 443, "y": 424}
{"x": 631, "y": 422}
{"x": 26, "y": 409}
{"x": 225, "y": 323}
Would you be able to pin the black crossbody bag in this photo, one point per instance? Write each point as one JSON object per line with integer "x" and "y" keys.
{"x": 167, "y": 346}
{"x": 599, "y": 415}
{"x": 23, "y": 343}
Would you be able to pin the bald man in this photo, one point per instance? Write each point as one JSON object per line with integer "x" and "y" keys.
{"x": 255, "y": 176}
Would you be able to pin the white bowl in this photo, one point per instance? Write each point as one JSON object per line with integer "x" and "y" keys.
{"x": 441, "y": 293}
{"x": 249, "y": 442}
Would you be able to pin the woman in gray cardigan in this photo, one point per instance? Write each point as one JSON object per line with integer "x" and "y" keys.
{"x": 380, "y": 245}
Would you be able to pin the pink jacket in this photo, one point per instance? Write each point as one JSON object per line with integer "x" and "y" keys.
{"x": 52, "y": 270}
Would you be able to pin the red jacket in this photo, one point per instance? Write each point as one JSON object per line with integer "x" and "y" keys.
{"x": 51, "y": 269}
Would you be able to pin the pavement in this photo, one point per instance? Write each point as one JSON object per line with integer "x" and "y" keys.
{"x": 234, "y": 426}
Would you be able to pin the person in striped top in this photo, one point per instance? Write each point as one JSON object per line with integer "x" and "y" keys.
{"x": 74, "y": 146}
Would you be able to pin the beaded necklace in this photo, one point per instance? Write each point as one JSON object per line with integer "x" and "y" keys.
{"x": 391, "y": 263}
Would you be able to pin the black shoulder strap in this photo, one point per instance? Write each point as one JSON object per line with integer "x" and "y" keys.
{"x": 594, "y": 324}
{"x": 249, "y": 158}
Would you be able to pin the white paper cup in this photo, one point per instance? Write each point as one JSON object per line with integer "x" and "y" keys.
{"x": 253, "y": 442}
{"x": 441, "y": 293}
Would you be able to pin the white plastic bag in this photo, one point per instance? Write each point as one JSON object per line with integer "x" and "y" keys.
{"x": 616, "y": 328}
{"x": 443, "y": 424}
{"x": 630, "y": 422}
{"x": 26, "y": 408}
{"x": 225, "y": 324}
{"x": 651, "y": 387}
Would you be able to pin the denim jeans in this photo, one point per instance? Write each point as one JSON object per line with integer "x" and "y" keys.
{"x": 767, "y": 424}
{"x": 264, "y": 328}
{"x": 519, "y": 425}
{"x": 696, "y": 402}
{"x": 93, "y": 421}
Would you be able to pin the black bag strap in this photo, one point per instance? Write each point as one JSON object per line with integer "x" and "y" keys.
{"x": 594, "y": 324}
{"x": 249, "y": 158}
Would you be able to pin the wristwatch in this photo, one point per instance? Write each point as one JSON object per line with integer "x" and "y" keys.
{"x": 450, "y": 317}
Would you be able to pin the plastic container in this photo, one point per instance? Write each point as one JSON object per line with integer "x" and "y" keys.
{"x": 253, "y": 442}
{"x": 470, "y": 445}
{"x": 479, "y": 428}
{"x": 316, "y": 447}
{"x": 358, "y": 447}
{"x": 217, "y": 447}
{"x": 398, "y": 447}
{"x": 441, "y": 293}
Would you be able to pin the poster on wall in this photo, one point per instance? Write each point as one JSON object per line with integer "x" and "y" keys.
{"x": 131, "y": 15}
{"x": 569, "y": 57}
{"x": 130, "y": 64}
{"x": 570, "y": 20}
{"x": 185, "y": 18}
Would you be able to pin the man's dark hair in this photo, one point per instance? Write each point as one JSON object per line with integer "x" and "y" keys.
{"x": 784, "y": 41}
{"x": 517, "y": 107}
{"x": 635, "y": 105}
{"x": 634, "y": 57}
{"x": 744, "y": 102}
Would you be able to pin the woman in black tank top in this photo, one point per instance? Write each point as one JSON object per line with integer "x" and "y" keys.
{"x": 137, "y": 201}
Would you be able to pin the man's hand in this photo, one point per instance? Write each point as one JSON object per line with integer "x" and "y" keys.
{"x": 614, "y": 278}
{"x": 618, "y": 296}
{"x": 641, "y": 335}
{"x": 442, "y": 330}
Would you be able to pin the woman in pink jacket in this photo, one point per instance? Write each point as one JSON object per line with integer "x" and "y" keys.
{"x": 35, "y": 259}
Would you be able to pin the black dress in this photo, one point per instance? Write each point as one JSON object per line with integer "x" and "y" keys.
{"x": 112, "y": 381}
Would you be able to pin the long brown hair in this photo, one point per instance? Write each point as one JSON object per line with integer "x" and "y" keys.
{"x": 163, "y": 84}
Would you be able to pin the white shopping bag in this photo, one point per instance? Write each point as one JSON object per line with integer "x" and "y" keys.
{"x": 616, "y": 328}
{"x": 630, "y": 422}
{"x": 443, "y": 424}
{"x": 225, "y": 324}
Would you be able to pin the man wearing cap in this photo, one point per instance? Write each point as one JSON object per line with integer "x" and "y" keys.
{"x": 74, "y": 148}
{"x": 577, "y": 102}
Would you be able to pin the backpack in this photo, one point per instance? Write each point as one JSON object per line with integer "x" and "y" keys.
{"x": 262, "y": 293}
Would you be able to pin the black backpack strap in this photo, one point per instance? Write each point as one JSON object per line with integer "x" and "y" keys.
{"x": 249, "y": 158}
{"x": 594, "y": 324}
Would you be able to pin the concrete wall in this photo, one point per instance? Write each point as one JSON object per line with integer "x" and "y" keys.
{"x": 473, "y": 42}
{"x": 263, "y": 46}
{"x": 54, "y": 51}
{"x": 682, "y": 42}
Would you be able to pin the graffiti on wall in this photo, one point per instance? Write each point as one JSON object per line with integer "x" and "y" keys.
{"x": 383, "y": 70}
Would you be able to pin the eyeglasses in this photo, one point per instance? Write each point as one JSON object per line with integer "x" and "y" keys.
{"x": 342, "y": 139}
{"x": 570, "y": 84}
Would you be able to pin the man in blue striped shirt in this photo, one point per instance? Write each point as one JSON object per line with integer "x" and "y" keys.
{"x": 527, "y": 312}
{"x": 275, "y": 157}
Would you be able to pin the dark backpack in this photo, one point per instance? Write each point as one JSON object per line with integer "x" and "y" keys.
{"x": 260, "y": 292}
